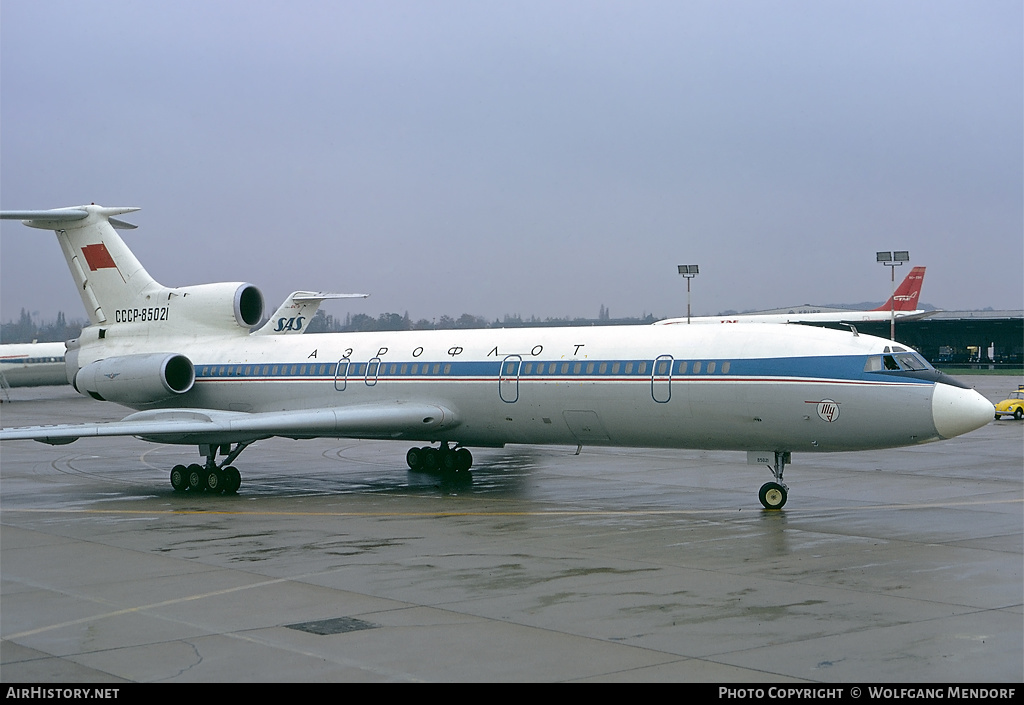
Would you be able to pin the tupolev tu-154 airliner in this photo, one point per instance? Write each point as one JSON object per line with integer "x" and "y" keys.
{"x": 187, "y": 360}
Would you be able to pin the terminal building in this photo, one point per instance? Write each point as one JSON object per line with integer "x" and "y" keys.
{"x": 994, "y": 338}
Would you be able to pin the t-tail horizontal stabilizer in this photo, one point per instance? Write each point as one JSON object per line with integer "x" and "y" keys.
{"x": 53, "y": 219}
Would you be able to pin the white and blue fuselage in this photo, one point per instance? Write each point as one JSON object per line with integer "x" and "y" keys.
{"x": 790, "y": 388}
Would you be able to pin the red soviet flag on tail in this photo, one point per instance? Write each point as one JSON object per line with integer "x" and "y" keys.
{"x": 97, "y": 257}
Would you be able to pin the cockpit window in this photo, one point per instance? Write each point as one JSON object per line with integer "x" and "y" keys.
{"x": 910, "y": 361}
{"x": 904, "y": 361}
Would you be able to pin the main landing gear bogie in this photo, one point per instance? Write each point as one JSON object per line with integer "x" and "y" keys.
{"x": 210, "y": 478}
{"x": 427, "y": 459}
{"x": 196, "y": 478}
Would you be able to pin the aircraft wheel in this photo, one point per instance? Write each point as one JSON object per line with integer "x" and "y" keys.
{"x": 179, "y": 478}
{"x": 414, "y": 458}
{"x": 463, "y": 459}
{"x": 772, "y": 495}
{"x": 430, "y": 459}
{"x": 232, "y": 480}
{"x": 450, "y": 461}
{"x": 214, "y": 481}
{"x": 196, "y": 480}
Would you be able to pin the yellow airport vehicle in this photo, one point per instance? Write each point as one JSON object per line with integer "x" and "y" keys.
{"x": 1012, "y": 405}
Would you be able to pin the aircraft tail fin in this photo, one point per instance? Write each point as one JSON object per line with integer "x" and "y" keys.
{"x": 908, "y": 294}
{"x": 297, "y": 310}
{"x": 107, "y": 274}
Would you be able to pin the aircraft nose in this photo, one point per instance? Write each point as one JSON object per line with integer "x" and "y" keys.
{"x": 956, "y": 411}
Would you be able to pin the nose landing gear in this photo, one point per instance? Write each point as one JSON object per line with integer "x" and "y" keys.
{"x": 773, "y": 495}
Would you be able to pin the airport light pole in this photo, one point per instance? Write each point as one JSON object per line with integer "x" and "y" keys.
{"x": 689, "y": 271}
{"x": 892, "y": 260}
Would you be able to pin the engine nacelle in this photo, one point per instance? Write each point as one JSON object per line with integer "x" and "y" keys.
{"x": 137, "y": 379}
{"x": 221, "y": 305}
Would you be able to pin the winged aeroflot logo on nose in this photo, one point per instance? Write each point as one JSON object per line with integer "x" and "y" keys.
{"x": 828, "y": 410}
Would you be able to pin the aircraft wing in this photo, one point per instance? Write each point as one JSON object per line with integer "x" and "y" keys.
{"x": 214, "y": 427}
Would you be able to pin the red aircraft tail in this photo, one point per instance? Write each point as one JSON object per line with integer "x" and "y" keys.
{"x": 907, "y": 294}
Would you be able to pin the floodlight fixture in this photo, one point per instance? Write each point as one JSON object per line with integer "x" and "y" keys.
{"x": 892, "y": 260}
{"x": 689, "y": 271}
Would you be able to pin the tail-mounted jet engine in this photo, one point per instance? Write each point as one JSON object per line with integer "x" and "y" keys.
{"x": 136, "y": 379}
{"x": 224, "y": 305}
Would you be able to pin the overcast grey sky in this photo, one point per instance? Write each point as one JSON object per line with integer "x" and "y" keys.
{"x": 533, "y": 158}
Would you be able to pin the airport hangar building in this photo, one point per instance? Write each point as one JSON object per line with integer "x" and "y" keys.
{"x": 960, "y": 337}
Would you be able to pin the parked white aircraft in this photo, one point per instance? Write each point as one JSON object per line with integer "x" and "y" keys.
{"x": 294, "y": 315}
{"x": 32, "y": 364}
{"x": 902, "y": 304}
{"x": 186, "y": 359}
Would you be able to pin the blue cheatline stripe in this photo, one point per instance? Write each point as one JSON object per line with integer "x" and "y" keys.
{"x": 848, "y": 368}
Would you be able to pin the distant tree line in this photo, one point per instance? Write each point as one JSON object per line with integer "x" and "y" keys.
{"x": 27, "y": 329}
{"x": 326, "y": 323}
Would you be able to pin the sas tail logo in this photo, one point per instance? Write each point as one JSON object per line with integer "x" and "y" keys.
{"x": 289, "y": 324}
